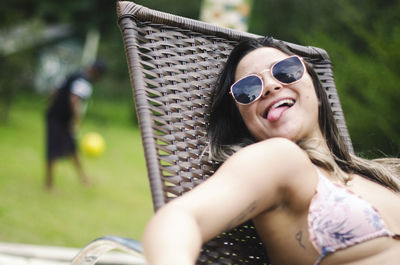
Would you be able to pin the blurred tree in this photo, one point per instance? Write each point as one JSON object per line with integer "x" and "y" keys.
{"x": 362, "y": 38}
{"x": 81, "y": 16}
{"x": 15, "y": 71}
{"x": 29, "y": 18}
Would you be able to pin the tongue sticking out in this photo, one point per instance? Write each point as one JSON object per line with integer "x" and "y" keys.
{"x": 275, "y": 114}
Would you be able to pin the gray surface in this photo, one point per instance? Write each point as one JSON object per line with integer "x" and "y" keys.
{"x": 24, "y": 254}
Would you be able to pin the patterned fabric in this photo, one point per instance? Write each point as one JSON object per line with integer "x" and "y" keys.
{"x": 338, "y": 218}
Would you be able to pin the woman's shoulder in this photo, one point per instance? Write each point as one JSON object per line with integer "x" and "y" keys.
{"x": 278, "y": 149}
{"x": 278, "y": 167}
{"x": 278, "y": 142}
{"x": 280, "y": 158}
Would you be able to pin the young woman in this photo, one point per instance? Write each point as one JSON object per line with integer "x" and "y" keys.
{"x": 286, "y": 168}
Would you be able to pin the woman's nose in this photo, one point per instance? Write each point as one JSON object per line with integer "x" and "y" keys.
{"x": 270, "y": 84}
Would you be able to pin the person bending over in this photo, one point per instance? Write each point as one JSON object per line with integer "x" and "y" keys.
{"x": 63, "y": 117}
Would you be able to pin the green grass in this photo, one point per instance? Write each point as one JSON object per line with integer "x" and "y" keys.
{"x": 119, "y": 202}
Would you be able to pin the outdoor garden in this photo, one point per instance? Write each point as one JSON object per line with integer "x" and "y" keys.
{"x": 362, "y": 38}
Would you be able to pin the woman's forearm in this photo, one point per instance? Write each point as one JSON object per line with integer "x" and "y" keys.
{"x": 172, "y": 237}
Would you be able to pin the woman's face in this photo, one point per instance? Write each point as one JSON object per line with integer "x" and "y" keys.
{"x": 266, "y": 117}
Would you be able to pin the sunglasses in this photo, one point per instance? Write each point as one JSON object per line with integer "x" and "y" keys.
{"x": 249, "y": 88}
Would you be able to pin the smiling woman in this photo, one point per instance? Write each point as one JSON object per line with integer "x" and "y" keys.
{"x": 270, "y": 116}
{"x": 292, "y": 165}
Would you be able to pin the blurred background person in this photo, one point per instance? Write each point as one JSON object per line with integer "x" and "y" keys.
{"x": 63, "y": 117}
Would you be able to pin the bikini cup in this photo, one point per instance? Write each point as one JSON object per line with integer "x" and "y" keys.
{"x": 338, "y": 219}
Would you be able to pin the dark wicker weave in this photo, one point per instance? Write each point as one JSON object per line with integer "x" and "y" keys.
{"x": 173, "y": 62}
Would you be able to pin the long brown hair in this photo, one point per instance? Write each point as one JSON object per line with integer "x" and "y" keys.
{"x": 228, "y": 133}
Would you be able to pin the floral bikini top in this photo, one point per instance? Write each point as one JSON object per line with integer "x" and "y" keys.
{"x": 338, "y": 219}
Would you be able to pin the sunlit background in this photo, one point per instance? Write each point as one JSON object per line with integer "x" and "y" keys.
{"x": 41, "y": 41}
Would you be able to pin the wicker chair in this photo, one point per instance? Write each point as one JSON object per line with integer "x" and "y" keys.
{"x": 173, "y": 62}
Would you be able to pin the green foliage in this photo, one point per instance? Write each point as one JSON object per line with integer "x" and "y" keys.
{"x": 362, "y": 38}
{"x": 118, "y": 203}
{"x": 16, "y": 73}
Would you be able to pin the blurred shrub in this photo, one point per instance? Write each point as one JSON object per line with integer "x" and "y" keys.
{"x": 362, "y": 38}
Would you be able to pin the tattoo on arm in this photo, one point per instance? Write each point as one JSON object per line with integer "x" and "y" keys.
{"x": 241, "y": 217}
{"x": 299, "y": 237}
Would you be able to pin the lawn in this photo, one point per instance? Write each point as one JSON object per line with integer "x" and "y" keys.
{"x": 118, "y": 203}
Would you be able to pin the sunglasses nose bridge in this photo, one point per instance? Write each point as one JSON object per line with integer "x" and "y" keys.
{"x": 263, "y": 71}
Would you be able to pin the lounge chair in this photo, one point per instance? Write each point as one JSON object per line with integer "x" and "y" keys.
{"x": 173, "y": 63}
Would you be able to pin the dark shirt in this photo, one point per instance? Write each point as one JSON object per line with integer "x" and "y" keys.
{"x": 60, "y": 108}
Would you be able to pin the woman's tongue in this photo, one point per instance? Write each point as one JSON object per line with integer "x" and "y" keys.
{"x": 276, "y": 113}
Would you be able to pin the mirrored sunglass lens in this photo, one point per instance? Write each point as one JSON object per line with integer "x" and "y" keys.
{"x": 288, "y": 70}
{"x": 247, "y": 90}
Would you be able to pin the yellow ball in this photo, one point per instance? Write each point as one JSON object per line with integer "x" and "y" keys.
{"x": 93, "y": 144}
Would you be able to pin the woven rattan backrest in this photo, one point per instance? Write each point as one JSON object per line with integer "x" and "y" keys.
{"x": 173, "y": 63}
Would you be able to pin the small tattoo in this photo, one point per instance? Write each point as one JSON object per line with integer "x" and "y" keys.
{"x": 241, "y": 217}
{"x": 299, "y": 236}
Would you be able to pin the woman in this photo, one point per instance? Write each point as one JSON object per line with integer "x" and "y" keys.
{"x": 310, "y": 200}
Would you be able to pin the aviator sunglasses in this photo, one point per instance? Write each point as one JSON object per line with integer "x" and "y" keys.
{"x": 249, "y": 88}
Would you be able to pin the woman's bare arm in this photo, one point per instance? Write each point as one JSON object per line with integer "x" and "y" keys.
{"x": 252, "y": 181}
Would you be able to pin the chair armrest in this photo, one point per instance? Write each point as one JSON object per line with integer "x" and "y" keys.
{"x": 92, "y": 252}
